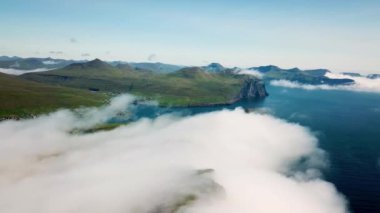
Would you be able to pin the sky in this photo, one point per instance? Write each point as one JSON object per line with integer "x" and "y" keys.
{"x": 341, "y": 35}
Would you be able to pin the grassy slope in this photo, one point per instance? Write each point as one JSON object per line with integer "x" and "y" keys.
{"x": 21, "y": 98}
{"x": 189, "y": 86}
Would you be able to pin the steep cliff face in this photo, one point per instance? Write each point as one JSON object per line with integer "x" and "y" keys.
{"x": 252, "y": 89}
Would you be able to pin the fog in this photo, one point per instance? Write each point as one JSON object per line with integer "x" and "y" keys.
{"x": 20, "y": 72}
{"x": 225, "y": 161}
{"x": 250, "y": 72}
{"x": 362, "y": 84}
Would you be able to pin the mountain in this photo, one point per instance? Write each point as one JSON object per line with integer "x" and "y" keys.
{"x": 124, "y": 66}
{"x": 317, "y": 72}
{"x": 94, "y": 68}
{"x": 352, "y": 74}
{"x": 156, "y": 67}
{"x": 373, "y": 76}
{"x": 186, "y": 87}
{"x": 8, "y": 58}
{"x": 214, "y": 67}
{"x": 192, "y": 73}
{"x": 33, "y": 63}
{"x": 314, "y": 77}
{"x": 266, "y": 69}
{"x": 21, "y": 98}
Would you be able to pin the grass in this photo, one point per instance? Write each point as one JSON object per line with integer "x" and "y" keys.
{"x": 71, "y": 87}
{"x": 189, "y": 86}
{"x": 21, "y": 98}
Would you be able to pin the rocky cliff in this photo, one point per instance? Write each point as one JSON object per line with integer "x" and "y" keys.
{"x": 252, "y": 89}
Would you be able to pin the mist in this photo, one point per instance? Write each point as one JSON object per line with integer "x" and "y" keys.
{"x": 250, "y": 72}
{"x": 11, "y": 71}
{"x": 225, "y": 161}
{"x": 362, "y": 84}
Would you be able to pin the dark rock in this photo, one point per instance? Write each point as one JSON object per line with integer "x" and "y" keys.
{"x": 252, "y": 89}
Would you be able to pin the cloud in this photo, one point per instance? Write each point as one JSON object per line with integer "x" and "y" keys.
{"x": 50, "y": 62}
{"x": 20, "y": 72}
{"x": 152, "y": 57}
{"x": 250, "y": 72}
{"x": 293, "y": 84}
{"x": 362, "y": 84}
{"x": 225, "y": 161}
{"x": 86, "y": 55}
{"x": 73, "y": 40}
{"x": 56, "y": 52}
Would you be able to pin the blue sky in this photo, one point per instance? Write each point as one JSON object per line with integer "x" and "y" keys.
{"x": 342, "y": 35}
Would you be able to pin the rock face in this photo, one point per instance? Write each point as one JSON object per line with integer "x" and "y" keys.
{"x": 252, "y": 89}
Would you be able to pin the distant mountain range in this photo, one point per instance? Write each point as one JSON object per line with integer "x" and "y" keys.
{"x": 70, "y": 83}
{"x": 33, "y": 63}
{"x": 189, "y": 86}
{"x": 313, "y": 77}
{"x": 269, "y": 72}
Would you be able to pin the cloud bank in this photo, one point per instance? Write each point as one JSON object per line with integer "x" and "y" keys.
{"x": 362, "y": 84}
{"x": 250, "y": 72}
{"x": 225, "y": 161}
{"x": 20, "y": 72}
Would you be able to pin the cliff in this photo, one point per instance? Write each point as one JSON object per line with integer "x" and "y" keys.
{"x": 252, "y": 89}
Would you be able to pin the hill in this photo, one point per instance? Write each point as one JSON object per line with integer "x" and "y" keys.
{"x": 185, "y": 87}
{"x": 32, "y": 63}
{"x": 156, "y": 67}
{"x": 314, "y": 77}
{"x": 22, "y": 98}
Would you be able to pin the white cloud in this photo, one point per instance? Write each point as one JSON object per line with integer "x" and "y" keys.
{"x": 151, "y": 164}
{"x": 362, "y": 84}
{"x": 293, "y": 84}
{"x": 50, "y": 62}
{"x": 250, "y": 72}
{"x": 20, "y": 72}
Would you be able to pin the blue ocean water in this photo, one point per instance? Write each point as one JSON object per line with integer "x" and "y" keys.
{"x": 347, "y": 125}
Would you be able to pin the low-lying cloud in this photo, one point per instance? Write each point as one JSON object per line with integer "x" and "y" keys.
{"x": 225, "y": 161}
{"x": 50, "y": 62}
{"x": 362, "y": 84}
{"x": 250, "y": 72}
{"x": 11, "y": 71}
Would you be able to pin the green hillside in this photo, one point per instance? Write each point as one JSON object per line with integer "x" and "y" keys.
{"x": 188, "y": 86}
{"x": 22, "y": 98}
{"x": 314, "y": 77}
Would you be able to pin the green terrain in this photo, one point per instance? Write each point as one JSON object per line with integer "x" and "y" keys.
{"x": 188, "y": 86}
{"x": 93, "y": 83}
{"x": 21, "y": 98}
{"x": 314, "y": 77}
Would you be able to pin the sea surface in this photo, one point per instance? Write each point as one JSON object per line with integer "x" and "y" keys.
{"x": 346, "y": 123}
